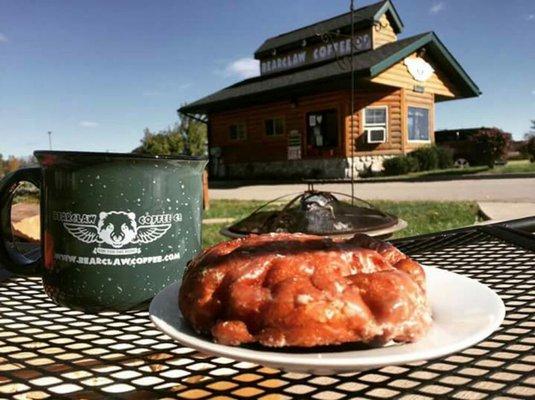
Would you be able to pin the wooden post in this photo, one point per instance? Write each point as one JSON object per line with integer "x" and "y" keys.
{"x": 404, "y": 120}
{"x": 205, "y": 192}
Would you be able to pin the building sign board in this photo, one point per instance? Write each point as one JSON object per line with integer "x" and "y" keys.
{"x": 294, "y": 145}
{"x": 420, "y": 69}
{"x": 419, "y": 88}
{"x": 316, "y": 53}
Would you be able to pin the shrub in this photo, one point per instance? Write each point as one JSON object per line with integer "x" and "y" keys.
{"x": 400, "y": 165}
{"x": 445, "y": 157}
{"x": 489, "y": 145}
{"x": 423, "y": 159}
{"x": 427, "y": 157}
{"x": 528, "y": 148}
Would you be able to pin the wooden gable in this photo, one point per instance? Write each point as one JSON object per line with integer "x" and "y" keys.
{"x": 399, "y": 76}
{"x": 383, "y": 32}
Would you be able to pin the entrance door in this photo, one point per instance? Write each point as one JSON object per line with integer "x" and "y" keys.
{"x": 322, "y": 133}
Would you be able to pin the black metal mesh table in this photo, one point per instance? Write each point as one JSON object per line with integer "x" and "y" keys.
{"x": 48, "y": 351}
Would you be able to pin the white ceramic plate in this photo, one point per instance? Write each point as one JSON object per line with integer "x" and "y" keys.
{"x": 464, "y": 313}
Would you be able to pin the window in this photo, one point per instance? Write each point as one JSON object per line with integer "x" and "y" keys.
{"x": 274, "y": 126}
{"x": 237, "y": 132}
{"x": 375, "y": 124}
{"x": 375, "y": 116}
{"x": 418, "y": 124}
{"x": 322, "y": 129}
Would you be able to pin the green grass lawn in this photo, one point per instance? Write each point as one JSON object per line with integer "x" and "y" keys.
{"x": 422, "y": 216}
{"x": 512, "y": 167}
{"x": 515, "y": 166}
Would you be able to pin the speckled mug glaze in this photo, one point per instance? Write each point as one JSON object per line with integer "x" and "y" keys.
{"x": 117, "y": 228}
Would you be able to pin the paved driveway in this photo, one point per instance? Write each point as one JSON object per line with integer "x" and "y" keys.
{"x": 507, "y": 190}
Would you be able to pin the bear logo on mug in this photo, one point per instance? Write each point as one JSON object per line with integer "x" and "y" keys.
{"x": 116, "y": 228}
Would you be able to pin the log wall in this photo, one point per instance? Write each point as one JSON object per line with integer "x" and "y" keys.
{"x": 258, "y": 147}
{"x": 390, "y": 97}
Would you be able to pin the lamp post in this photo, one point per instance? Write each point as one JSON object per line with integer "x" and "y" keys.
{"x": 49, "y": 140}
{"x": 352, "y": 93}
{"x": 327, "y": 37}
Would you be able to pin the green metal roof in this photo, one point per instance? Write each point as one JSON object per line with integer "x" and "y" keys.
{"x": 363, "y": 17}
{"x": 332, "y": 75}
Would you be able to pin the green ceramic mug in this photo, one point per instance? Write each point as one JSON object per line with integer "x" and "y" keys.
{"x": 115, "y": 228}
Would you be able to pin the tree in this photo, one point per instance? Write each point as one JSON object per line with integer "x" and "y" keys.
{"x": 165, "y": 142}
{"x": 194, "y": 133}
{"x": 28, "y": 161}
{"x": 528, "y": 147}
{"x": 531, "y": 132}
{"x": 187, "y": 136}
{"x": 490, "y": 145}
{"x": 12, "y": 164}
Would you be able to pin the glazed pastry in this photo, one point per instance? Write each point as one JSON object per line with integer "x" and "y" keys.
{"x": 301, "y": 290}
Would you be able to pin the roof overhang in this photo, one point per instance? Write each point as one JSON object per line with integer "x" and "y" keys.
{"x": 334, "y": 75}
{"x": 289, "y": 94}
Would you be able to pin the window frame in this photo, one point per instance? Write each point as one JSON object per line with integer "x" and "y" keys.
{"x": 275, "y": 135}
{"x": 238, "y": 139}
{"x": 428, "y": 140}
{"x": 366, "y": 126}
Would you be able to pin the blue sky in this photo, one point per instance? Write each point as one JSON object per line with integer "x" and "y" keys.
{"x": 96, "y": 73}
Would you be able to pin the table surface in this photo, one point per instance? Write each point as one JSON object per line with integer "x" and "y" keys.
{"x": 47, "y": 351}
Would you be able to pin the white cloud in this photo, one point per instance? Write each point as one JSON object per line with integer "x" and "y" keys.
{"x": 436, "y": 8}
{"x": 185, "y": 85}
{"x": 243, "y": 68}
{"x": 530, "y": 17}
{"x": 88, "y": 124}
{"x": 3, "y": 38}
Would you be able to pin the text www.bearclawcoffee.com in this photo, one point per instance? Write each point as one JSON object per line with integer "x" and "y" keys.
{"x": 116, "y": 261}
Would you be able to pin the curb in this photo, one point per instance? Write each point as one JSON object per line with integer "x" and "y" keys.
{"x": 452, "y": 178}
{"x": 220, "y": 184}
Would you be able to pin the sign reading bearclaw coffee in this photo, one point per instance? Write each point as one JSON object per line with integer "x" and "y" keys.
{"x": 316, "y": 53}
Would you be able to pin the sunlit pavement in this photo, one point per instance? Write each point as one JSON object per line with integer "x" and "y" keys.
{"x": 499, "y": 211}
{"x": 504, "y": 190}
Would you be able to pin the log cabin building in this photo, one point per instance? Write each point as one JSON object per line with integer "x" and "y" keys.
{"x": 294, "y": 119}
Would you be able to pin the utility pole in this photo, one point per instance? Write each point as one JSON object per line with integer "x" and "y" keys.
{"x": 49, "y": 140}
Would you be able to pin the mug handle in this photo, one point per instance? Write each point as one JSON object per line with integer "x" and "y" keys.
{"x": 10, "y": 258}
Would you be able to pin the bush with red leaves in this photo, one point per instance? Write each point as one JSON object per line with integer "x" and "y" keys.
{"x": 489, "y": 146}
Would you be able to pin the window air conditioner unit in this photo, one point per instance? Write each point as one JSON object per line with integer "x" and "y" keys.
{"x": 376, "y": 135}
